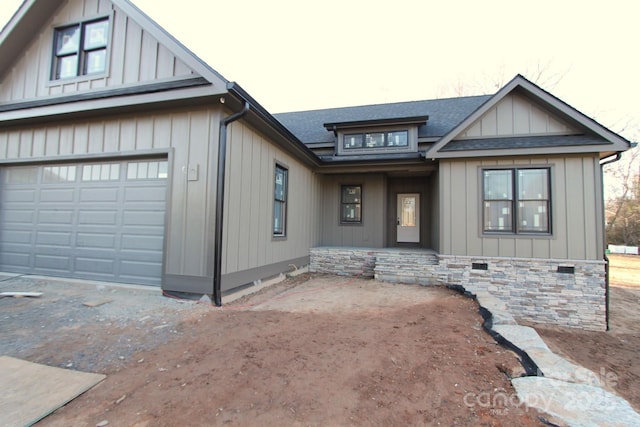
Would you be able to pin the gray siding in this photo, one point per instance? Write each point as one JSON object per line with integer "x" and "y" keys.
{"x": 188, "y": 137}
{"x": 372, "y": 232}
{"x": 135, "y": 57}
{"x": 575, "y": 211}
{"x": 516, "y": 115}
{"x": 249, "y": 196}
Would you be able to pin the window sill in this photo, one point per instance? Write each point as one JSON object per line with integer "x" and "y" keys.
{"x": 499, "y": 234}
{"x": 278, "y": 238}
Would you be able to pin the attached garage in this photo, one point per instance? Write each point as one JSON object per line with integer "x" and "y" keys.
{"x": 91, "y": 220}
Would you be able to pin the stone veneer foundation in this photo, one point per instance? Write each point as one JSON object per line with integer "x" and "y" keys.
{"x": 536, "y": 290}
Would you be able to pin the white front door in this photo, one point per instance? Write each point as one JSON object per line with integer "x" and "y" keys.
{"x": 408, "y": 218}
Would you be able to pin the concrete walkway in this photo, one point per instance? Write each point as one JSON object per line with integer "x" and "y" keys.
{"x": 562, "y": 389}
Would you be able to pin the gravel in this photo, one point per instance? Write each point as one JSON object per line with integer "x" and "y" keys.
{"x": 58, "y": 329}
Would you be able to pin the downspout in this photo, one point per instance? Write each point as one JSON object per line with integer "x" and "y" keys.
{"x": 606, "y": 258}
{"x": 222, "y": 158}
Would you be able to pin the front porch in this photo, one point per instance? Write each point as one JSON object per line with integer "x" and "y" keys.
{"x": 555, "y": 291}
{"x": 395, "y": 265}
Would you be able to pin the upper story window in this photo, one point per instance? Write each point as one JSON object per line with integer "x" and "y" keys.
{"x": 80, "y": 49}
{"x": 517, "y": 200}
{"x": 397, "y": 138}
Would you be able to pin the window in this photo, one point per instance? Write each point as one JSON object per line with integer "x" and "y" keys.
{"x": 376, "y": 139}
{"x": 280, "y": 201}
{"x": 351, "y": 204}
{"x": 80, "y": 49}
{"x": 516, "y": 200}
{"x": 55, "y": 174}
{"x": 148, "y": 170}
{"x": 101, "y": 172}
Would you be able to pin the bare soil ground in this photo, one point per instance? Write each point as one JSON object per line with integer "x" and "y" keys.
{"x": 310, "y": 351}
{"x": 612, "y": 355}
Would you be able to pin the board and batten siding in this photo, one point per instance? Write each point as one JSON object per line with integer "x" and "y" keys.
{"x": 371, "y": 233}
{"x": 576, "y": 211}
{"x": 186, "y": 137}
{"x": 135, "y": 56}
{"x": 516, "y": 115}
{"x": 248, "y": 240}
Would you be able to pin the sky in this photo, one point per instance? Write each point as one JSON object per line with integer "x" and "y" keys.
{"x": 295, "y": 55}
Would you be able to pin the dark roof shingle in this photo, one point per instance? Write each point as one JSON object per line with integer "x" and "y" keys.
{"x": 444, "y": 115}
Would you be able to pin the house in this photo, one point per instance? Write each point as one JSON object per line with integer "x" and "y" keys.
{"x": 125, "y": 158}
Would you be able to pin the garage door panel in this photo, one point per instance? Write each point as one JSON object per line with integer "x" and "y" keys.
{"x": 53, "y": 238}
{"x": 53, "y": 262}
{"x": 143, "y": 218}
{"x": 144, "y": 194}
{"x": 86, "y": 265}
{"x": 16, "y": 259}
{"x": 140, "y": 242}
{"x": 94, "y": 224}
{"x": 95, "y": 240}
{"x": 97, "y": 217}
{"x": 97, "y": 194}
{"x": 17, "y": 216}
{"x": 57, "y": 216}
{"x": 57, "y": 195}
{"x": 15, "y": 236}
{"x": 19, "y": 195}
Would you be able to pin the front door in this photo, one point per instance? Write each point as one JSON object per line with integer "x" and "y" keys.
{"x": 408, "y": 218}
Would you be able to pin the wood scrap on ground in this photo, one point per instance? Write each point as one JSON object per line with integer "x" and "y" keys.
{"x": 20, "y": 294}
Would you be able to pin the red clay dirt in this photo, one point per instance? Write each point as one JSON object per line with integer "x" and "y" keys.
{"x": 354, "y": 352}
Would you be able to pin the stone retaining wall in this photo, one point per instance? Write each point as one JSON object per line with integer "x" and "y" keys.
{"x": 533, "y": 289}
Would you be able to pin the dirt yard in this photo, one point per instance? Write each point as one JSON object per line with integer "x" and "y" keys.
{"x": 612, "y": 355}
{"x": 309, "y": 351}
{"x": 313, "y": 351}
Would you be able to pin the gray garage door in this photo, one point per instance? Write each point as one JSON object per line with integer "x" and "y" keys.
{"x": 99, "y": 221}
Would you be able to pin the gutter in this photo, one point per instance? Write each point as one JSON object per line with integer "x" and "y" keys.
{"x": 617, "y": 157}
{"x": 222, "y": 158}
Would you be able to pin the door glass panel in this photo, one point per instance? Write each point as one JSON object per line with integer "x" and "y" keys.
{"x": 408, "y": 215}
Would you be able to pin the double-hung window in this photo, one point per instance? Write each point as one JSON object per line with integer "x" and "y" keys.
{"x": 80, "y": 49}
{"x": 516, "y": 200}
{"x": 280, "y": 202}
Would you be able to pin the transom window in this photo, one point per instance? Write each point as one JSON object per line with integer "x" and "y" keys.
{"x": 351, "y": 204}
{"x": 396, "y": 138}
{"x": 516, "y": 200}
{"x": 80, "y": 49}
{"x": 280, "y": 201}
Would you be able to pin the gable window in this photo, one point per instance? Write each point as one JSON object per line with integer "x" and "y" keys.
{"x": 280, "y": 201}
{"x": 80, "y": 49}
{"x": 351, "y": 204}
{"x": 376, "y": 139}
{"x": 516, "y": 200}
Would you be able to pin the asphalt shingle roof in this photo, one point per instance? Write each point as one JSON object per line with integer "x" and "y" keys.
{"x": 444, "y": 115}
{"x": 522, "y": 142}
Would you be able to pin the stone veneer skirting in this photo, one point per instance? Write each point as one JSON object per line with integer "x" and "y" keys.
{"x": 532, "y": 289}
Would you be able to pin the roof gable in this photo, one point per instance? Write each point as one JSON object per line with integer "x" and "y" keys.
{"x": 140, "y": 51}
{"x": 542, "y": 115}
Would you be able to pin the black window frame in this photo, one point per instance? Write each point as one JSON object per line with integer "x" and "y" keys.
{"x": 516, "y": 203}
{"x": 82, "y": 51}
{"x": 358, "y": 210}
{"x": 280, "y": 202}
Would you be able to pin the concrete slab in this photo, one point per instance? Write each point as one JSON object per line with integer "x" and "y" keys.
{"x": 579, "y": 405}
{"x": 31, "y": 391}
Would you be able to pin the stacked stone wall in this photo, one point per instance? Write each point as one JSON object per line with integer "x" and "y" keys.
{"x": 562, "y": 292}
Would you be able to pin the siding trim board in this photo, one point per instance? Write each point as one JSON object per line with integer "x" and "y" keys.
{"x": 110, "y": 93}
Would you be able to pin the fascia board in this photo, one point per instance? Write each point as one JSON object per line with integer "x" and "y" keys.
{"x": 193, "y": 95}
